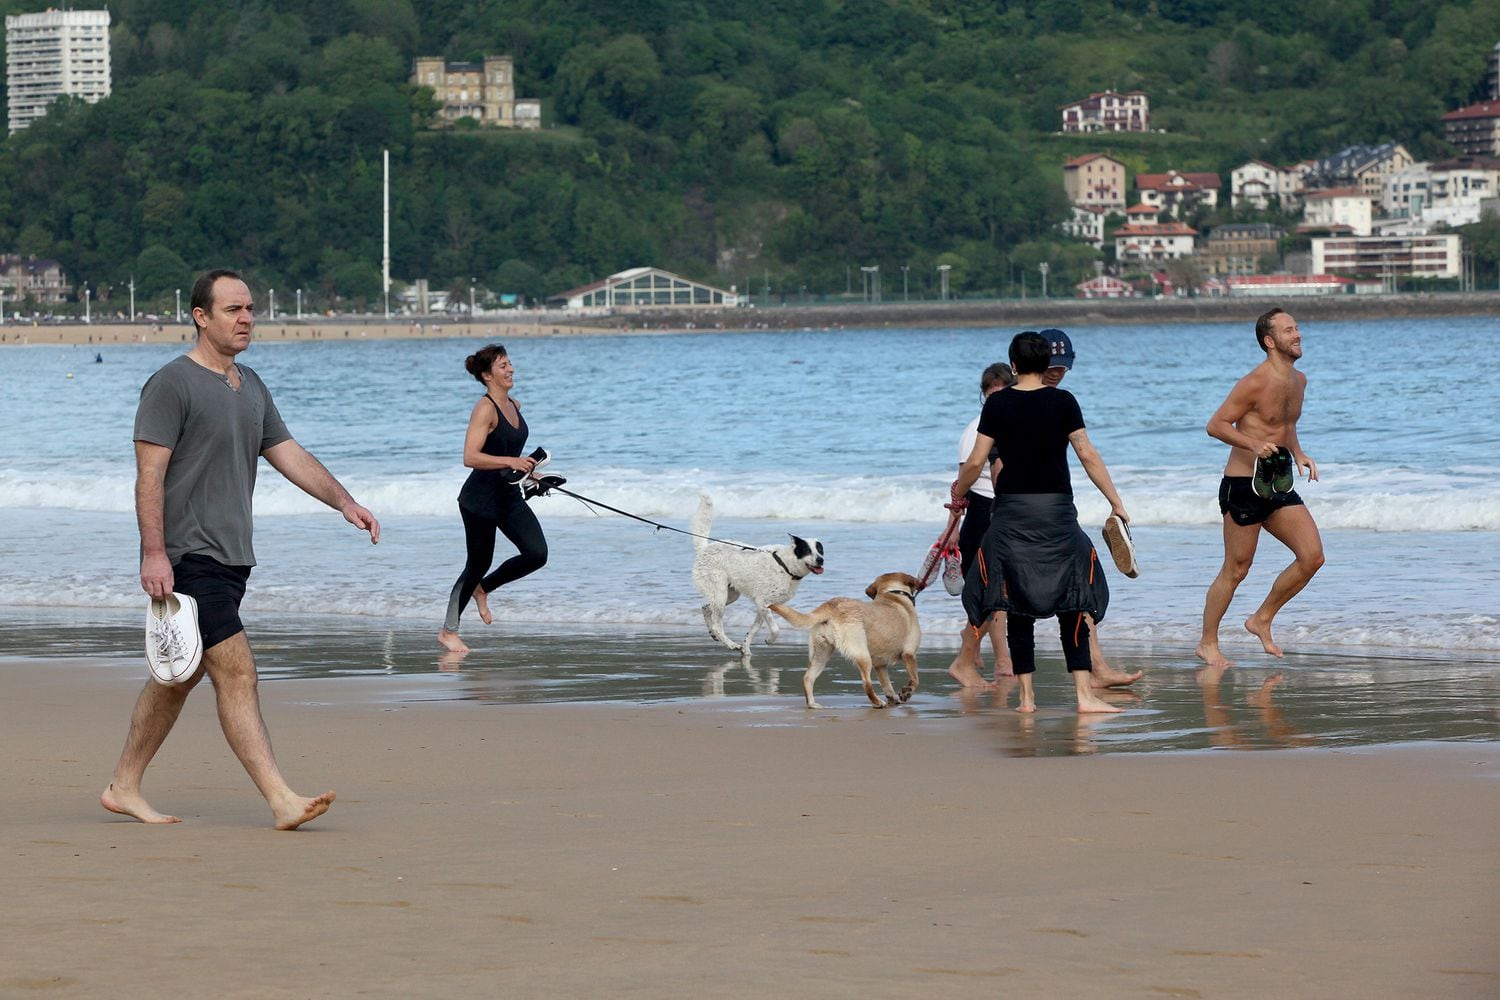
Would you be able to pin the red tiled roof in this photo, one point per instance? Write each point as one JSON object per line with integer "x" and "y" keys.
{"x": 1484, "y": 109}
{"x": 1176, "y": 181}
{"x": 1089, "y": 158}
{"x": 1336, "y": 193}
{"x": 1156, "y": 229}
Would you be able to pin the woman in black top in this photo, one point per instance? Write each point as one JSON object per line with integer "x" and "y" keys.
{"x": 488, "y": 503}
{"x": 1035, "y": 561}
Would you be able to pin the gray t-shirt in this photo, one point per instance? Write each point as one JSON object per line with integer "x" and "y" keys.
{"x": 216, "y": 435}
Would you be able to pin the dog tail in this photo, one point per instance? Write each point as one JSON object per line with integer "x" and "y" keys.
{"x": 702, "y": 521}
{"x": 797, "y": 618}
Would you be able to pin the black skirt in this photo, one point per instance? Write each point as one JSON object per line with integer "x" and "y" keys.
{"x": 1035, "y": 561}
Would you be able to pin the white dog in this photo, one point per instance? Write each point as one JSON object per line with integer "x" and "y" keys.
{"x": 768, "y": 575}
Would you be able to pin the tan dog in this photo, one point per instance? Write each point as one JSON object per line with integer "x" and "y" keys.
{"x": 873, "y": 635}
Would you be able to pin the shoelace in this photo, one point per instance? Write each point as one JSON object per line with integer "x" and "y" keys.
{"x": 168, "y": 639}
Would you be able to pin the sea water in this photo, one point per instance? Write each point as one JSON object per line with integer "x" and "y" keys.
{"x": 848, "y": 436}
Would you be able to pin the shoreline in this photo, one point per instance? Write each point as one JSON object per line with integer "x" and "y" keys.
{"x": 547, "y": 850}
{"x": 853, "y": 316}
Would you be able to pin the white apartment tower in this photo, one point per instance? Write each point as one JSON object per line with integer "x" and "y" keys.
{"x": 54, "y": 53}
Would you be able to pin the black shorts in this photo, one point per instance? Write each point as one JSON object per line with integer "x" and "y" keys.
{"x": 218, "y": 589}
{"x": 1238, "y": 500}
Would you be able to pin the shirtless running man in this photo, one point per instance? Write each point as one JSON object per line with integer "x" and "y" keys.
{"x": 1260, "y": 417}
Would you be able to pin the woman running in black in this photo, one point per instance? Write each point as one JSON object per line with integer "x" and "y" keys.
{"x": 492, "y": 448}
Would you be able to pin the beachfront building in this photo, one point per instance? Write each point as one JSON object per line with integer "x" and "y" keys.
{"x": 1178, "y": 194}
{"x": 39, "y": 281}
{"x": 1256, "y": 182}
{"x": 1239, "y": 248}
{"x": 1475, "y": 129}
{"x": 1359, "y": 166}
{"x": 1108, "y": 112}
{"x": 484, "y": 92}
{"x": 644, "y": 287}
{"x": 53, "y": 53}
{"x": 1388, "y": 257}
{"x": 1104, "y": 286}
{"x": 1347, "y": 210}
{"x": 1447, "y": 192}
{"x": 1139, "y": 242}
{"x": 1095, "y": 180}
{"x": 1275, "y": 286}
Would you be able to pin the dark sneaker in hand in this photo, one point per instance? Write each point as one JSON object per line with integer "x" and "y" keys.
{"x": 540, "y": 487}
{"x": 541, "y": 457}
{"x": 1274, "y": 475}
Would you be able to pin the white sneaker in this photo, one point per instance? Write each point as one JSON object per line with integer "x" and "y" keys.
{"x": 174, "y": 646}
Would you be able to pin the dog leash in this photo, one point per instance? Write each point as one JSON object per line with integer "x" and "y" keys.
{"x": 591, "y": 502}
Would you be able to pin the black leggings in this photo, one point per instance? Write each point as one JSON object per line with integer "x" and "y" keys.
{"x": 517, "y": 523}
{"x": 1020, "y": 639}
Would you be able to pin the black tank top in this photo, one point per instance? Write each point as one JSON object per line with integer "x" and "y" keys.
{"x": 484, "y": 486}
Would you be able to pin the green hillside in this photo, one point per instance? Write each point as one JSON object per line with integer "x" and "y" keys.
{"x": 785, "y": 142}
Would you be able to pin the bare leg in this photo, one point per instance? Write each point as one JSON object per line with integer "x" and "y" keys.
{"x": 1294, "y": 528}
{"x": 1103, "y": 675}
{"x": 1027, "y": 703}
{"x": 1003, "y": 666}
{"x": 451, "y": 642}
{"x": 482, "y": 602}
{"x": 231, "y": 666}
{"x": 1239, "y": 553}
{"x": 965, "y": 666}
{"x": 155, "y": 713}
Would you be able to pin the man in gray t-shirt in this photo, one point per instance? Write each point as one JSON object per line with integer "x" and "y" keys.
{"x": 203, "y": 424}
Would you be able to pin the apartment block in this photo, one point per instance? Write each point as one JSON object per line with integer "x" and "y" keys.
{"x": 1474, "y": 130}
{"x": 1178, "y": 194}
{"x": 1237, "y": 248}
{"x": 54, "y": 53}
{"x": 1095, "y": 179}
{"x": 1436, "y": 256}
{"x": 483, "y": 91}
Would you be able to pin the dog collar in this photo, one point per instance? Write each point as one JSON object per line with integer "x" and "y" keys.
{"x": 906, "y": 594}
{"x": 788, "y": 569}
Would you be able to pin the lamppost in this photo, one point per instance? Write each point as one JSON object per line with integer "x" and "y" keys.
{"x": 88, "y": 297}
{"x": 471, "y": 300}
{"x": 904, "y": 296}
{"x": 943, "y": 270}
{"x": 273, "y": 305}
{"x": 1044, "y": 267}
{"x": 132, "y": 298}
{"x": 299, "y": 303}
{"x": 871, "y": 275}
{"x": 179, "y": 305}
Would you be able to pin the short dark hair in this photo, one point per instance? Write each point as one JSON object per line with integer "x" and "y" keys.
{"x": 1030, "y": 354}
{"x": 998, "y": 373}
{"x": 483, "y": 360}
{"x": 1263, "y": 327}
{"x": 202, "y": 295}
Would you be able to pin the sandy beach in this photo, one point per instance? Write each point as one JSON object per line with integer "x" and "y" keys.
{"x": 739, "y": 848}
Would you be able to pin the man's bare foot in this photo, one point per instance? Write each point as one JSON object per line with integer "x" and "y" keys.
{"x": 482, "y": 602}
{"x": 297, "y": 810}
{"x": 1003, "y": 670}
{"x": 1209, "y": 653}
{"x": 133, "y": 805}
{"x": 451, "y": 642}
{"x": 1105, "y": 676}
{"x": 1262, "y": 631}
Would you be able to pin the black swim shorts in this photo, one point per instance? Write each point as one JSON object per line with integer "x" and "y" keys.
{"x": 1237, "y": 499}
{"x": 218, "y": 589}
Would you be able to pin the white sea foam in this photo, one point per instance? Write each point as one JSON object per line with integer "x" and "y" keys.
{"x": 1349, "y": 497}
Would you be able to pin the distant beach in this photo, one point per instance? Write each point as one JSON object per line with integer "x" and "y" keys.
{"x": 1006, "y": 313}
